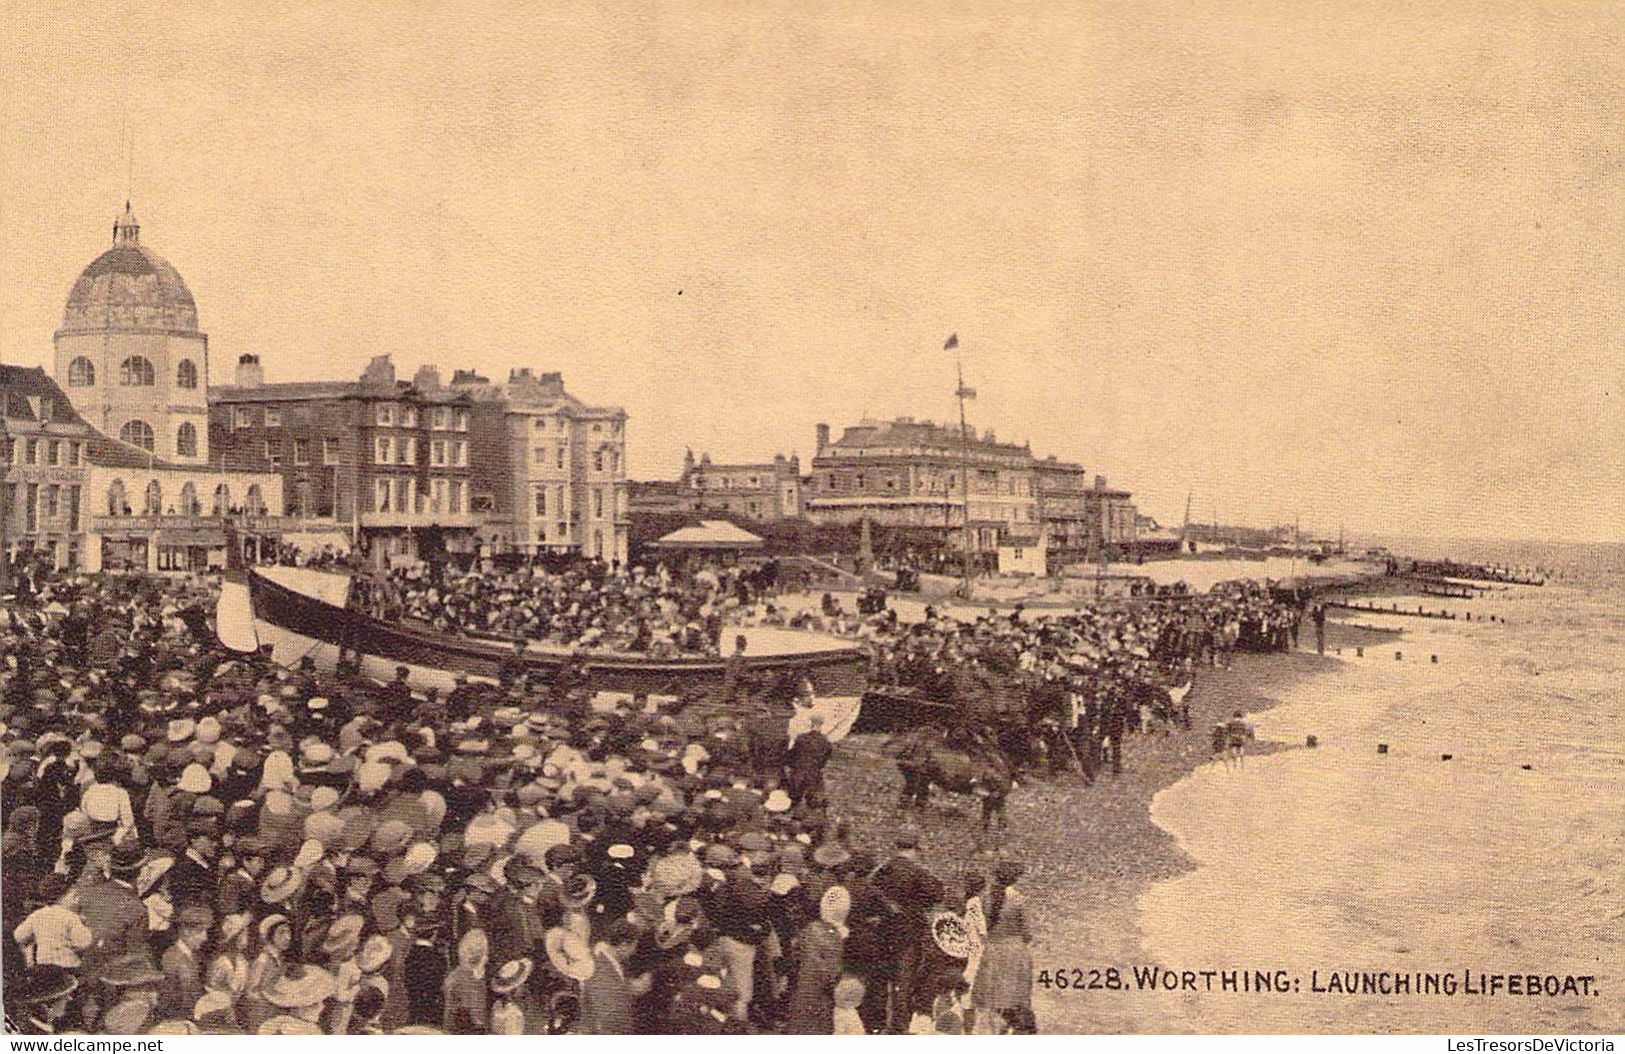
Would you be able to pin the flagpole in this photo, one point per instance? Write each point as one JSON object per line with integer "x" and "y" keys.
{"x": 962, "y": 393}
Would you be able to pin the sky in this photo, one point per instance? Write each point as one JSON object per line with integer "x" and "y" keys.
{"x": 1350, "y": 264}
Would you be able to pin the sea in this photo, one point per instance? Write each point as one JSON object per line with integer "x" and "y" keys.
{"x": 1486, "y": 841}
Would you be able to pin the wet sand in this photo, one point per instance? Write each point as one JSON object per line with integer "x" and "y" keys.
{"x": 1090, "y": 850}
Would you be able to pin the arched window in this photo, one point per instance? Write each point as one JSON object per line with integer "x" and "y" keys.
{"x": 222, "y": 500}
{"x": 255, "y": 505}
{"x": 81, "y": 373}
{"x": 189, "y": 502}
{"x": 153, "y": 503}
{"x": 137, "y": 433}
{"x": 186, "y": 440}
{"x": 186, "y": 374}
{"x": 117, "y": 503}
{"x": 136, "y": 372}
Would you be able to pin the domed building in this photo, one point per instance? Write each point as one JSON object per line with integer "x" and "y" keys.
{"x": 130, "y": 354}
{"x": 111, "y": 467}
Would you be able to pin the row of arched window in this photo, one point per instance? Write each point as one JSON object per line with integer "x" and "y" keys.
{"x": 139, "y": 433}
{"x": 152, "y": 501}
{"x": 134, "y": 372}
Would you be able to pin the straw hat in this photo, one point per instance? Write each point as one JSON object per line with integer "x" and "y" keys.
{"x": 777, "y": 801}
{"x": 391, "y": 837}
{"x": 344, "y": 936}
{"x": 512, "y": 976}
{"x": 374, "y": 954}
{"x": 195, "y": 780}
{"x": 280, "y": 884}
{"x": 569, "y": 953}
{"x": 101, "y": 802}
{"x": 208, "y": 730}
{"x": 180, "y": 730}
{"x": 578, "y": 891}
{"x": 300, "y": 986}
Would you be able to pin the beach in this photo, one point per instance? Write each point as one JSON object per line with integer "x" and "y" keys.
{"x": 1501, "y": 859}
{"x": 1091, "y": 851}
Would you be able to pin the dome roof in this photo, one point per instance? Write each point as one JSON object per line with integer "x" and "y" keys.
{"x": 130, "y": 286}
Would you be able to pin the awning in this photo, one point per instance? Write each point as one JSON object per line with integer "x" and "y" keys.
{"x": 710, "y": 534}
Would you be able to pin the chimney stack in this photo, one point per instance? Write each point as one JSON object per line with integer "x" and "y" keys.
{"x": 249, "y": 372}
{"x": 427, "y": 379}
{"x": 380, "y": 373}
{"x": 823, "y": 438}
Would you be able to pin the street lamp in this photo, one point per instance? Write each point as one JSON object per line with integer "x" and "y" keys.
{"x": 5, "y": 501}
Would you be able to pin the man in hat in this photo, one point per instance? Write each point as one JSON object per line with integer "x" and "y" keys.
{"x": 183, "y": 984}
{"x": 805, "y": 764}
{"x": 909, "y": 892}
{"x": 740, "y": 910}
{"x": 114, "y": 912}
{"x": 607, "y": 996}
{"x": 36, "y": 1000}
{"x": 517, "y": 923}
{"x": 396, "y": 698}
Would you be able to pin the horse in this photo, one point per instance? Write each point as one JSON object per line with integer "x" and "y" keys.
{"x": 925, "y": 759}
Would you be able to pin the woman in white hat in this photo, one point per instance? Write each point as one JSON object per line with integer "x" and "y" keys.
{"x": 275, "y": 938}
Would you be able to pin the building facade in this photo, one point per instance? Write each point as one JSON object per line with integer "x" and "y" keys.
{"x": 553, "y": 465}
{"x": 908, "y": 475}
{"x": 763, "y": 491}
{"x": 44, "y": 475}
{"x": 385, "y": 460}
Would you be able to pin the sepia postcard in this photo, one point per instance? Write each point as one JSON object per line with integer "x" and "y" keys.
{"x": 707, "y": 518}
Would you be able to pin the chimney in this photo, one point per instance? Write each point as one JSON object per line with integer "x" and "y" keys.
{"x": 249, "y": 372}
{"x": 427, "y": 379}
{"x": 552, "y": 383}
{"x": 380, "y": 373}
{"x": 823, "y": 437}
{"x": 520, "y": 375}
{"x": 1100, "y": 482}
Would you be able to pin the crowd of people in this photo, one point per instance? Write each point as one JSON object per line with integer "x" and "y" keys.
{"x": 653, "y": 611}
{"x": 203, "y": 842}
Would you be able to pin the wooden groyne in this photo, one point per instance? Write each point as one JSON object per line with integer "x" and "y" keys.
{"x": 1395, "y": 609}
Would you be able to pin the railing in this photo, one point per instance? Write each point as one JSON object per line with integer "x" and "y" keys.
{"x": 419, "y": 519}
{"x": 151, "y": 522}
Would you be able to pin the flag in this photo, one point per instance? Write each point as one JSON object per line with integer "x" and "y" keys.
{"x": 953, "y": 342}
{"x": 966, "y": 393}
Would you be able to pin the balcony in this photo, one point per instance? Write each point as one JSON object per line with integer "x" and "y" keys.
{"x": 143, "y": 522}
{"x": 420, "y": 519}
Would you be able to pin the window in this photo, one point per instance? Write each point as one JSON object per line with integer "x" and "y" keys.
{"x": 541, "y": 455}
{"x": 189, "y": 502}
{"x": 454, "y": 495}
{"x": 437, "y": 490}
{"x": 386, "y": 414}
{"x": 243, "y": 418}
{"x": 462, "y": 420}
{"x": 598, "y": 503}
{"x": 271, "y": 453}
{"x": 222, "y": 500}
{"x": 419, "y": 499}
{"x": 541, "y": 501}
{"x": 153, "y": 503}
{"x": 136, "y": 372}
{"x": 381, "y": 454}
{"x": 541, "y": 423}
{"x": 186, "y": 374}
{"x": 437, "y": 452}
{"x": 53, "y": 495}
{"x": 383, "y": 495}
{"x": 73, "y": 453}
{"x": 409, "y": 417}
{"x": 462, "y": 453}
{"x": 440, "y": 417}
{"x": 73, "y": 507}
{"x": 137, "y": 433}
{"x": 81, "y": 373}
{"x": 255, "y": 505}
{"x": 118, "y": 504}
{"x": 330, "y": 451}
{"x": 186, "y": 440}
{"x": 598, "y": 461}
{"x": 301, "y": 451}
{"x": 561, "y": 457}
{"x": 596, "y": 427}
{"x": 46, "y": 408}
{"x": 403, "y": 490}
{"x": 31, "y": 451}
{"x": 406, "y": 451}
{"x": 273, "y": 418}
